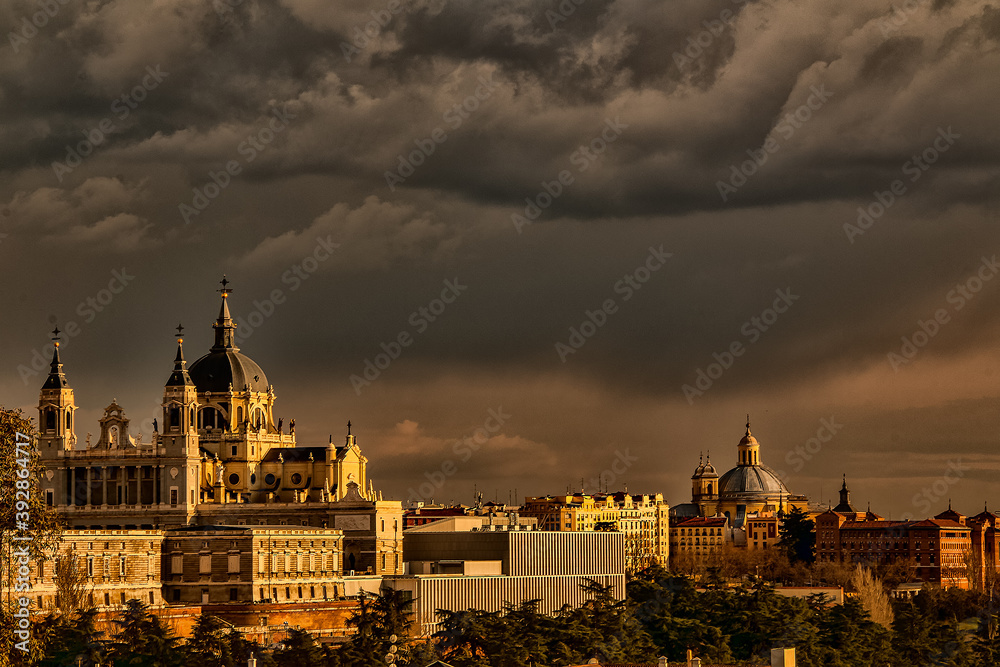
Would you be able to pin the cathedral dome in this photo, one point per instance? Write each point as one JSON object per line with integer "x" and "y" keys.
{"x": 220, "y": 370}
{"x": 747, "y": 481}
{"x": 224, "y": 368}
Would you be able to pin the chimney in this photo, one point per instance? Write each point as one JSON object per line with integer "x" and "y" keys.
{"x": 782, "y": 657}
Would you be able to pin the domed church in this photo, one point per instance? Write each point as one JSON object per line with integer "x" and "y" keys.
{"x": 749, "y": 488}
{"x": 217, "y": 458}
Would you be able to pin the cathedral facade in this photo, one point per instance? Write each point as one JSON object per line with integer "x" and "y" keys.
{"x": 216, "y": 457}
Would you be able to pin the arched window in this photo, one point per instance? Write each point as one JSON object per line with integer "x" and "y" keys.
{"x": 50, "y": 419}
{"x": 191, "y": 422}
{"x": 239, "y": 415}
{"x": 69, "y": 420}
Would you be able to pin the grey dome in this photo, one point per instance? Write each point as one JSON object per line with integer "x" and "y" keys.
{"x": 751, "y": 480}
{"x": 216, "y": 370}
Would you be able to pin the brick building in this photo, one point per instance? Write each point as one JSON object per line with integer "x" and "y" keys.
{"x": 937, "y": 549}
{"x": 700, "y": 536}
{"x": 242, "y": 564}
{"x": 644, "y": 519}
{"x": 114, "y": 566}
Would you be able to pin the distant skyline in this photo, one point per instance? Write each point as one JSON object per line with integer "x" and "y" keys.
{"x": 601, "y": 236}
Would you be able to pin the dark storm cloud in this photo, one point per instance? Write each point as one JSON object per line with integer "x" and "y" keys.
{"x": 696, "y": 89}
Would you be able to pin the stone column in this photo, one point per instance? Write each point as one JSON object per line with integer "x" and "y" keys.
{"x": 104, "y": 486}
{"x": 123, "y": 485}
{"x": 88, "y": 486}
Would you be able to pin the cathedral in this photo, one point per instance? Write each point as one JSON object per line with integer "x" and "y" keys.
{"x": 216, "y": 457}
{"x": 751, "y": 489}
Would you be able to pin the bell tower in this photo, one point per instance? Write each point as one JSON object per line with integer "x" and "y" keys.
{"x": 56, "y": 408}
{"x": 177, "y": 441}
{"x": 180, "y": 406}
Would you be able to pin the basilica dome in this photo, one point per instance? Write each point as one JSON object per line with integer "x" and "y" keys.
{"x": 751, "y": 481}
{"x": 224, "y": 368}
{"x": 227, "y": 370}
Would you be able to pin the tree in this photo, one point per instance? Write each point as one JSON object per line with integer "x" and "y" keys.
{"x": 142, "y": 639}
{"x": 375, "y": 622}
{"x": 208, "y": 645}
{"x": 72, "y": 585}
{"x": 798, "y": 536}
{"x": 872, "y": 596}
{"x": 299, "y": 649}
{"x": 70, "y": 637}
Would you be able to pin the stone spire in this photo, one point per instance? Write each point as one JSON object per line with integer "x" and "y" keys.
{"x": 845, "y": 499}
{"x": 180, "y": 376}
{"x": 225, "y": 327}
{"x": 57, "y": 377}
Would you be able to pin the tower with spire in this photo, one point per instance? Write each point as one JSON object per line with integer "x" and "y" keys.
{"x": 705, "y": 486}
{"x": 845, "y": 506}
{"x": 56, "y": 408}
{"x": 749, "y": 449}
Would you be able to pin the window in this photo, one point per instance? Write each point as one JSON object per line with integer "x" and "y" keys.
{"x": 121, "y": 566}
{"x": 176, "y": 563}
{"x": 151, "y": 600}
{"x": 107, "y": 599}
{"x": 234, "y": 479}
{"x": 300, "y": 592}
{"x": 50, "y": 497}
{"x": 235, "y": 450}
{"x": 232, "y": 594}
{"x": 234, "y": 563}
{"x": 90, "y": 566}
{"x": 205, "y": 564}
{"x": 173, "y": 496}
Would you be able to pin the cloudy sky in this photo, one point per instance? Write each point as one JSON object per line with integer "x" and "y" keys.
{"x": 805, "y": 183}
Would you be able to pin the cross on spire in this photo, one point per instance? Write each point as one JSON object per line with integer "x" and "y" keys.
{"x": 180, "y": 331}
{"x": 55, "y": 334}
{"x": 348, "y": 427}
{"x": 225, "y": 289}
